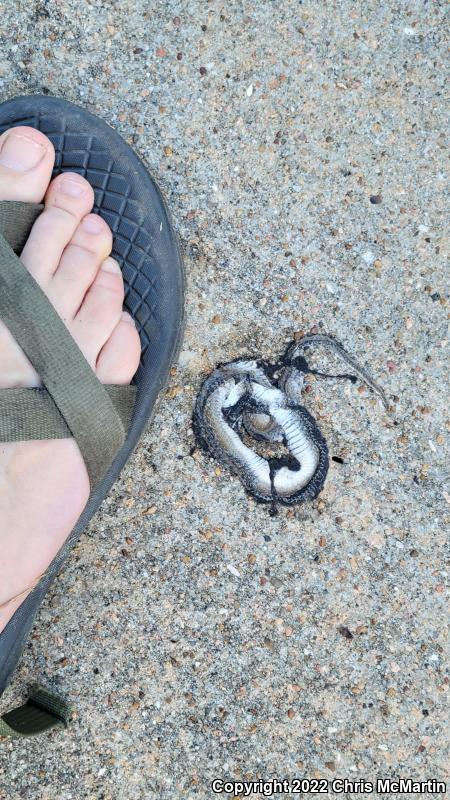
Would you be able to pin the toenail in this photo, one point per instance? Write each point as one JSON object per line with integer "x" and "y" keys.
{"x": 20, "y": 152}
{"x": 110, "y": 265}
{"x": 93, "y": 224}
{"x": 126, "y": 317}
{"x": 72, "y": 186}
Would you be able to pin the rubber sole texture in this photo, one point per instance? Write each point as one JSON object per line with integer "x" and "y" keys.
{"x": 146, "y": 247}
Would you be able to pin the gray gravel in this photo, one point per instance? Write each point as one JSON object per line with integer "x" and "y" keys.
{"x": 301, "y": 147}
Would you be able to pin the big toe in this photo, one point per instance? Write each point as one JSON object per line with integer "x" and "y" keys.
{"x": 26, "y": 162}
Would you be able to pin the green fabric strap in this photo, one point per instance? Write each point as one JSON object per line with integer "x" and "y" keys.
{"x": 32, "y": 413}
{"x": 42, "y": 712}
{"x": 85, "y": 405}
{"x": 16, "y": 220}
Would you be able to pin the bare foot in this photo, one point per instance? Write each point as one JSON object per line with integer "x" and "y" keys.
{"x": 44, "y": 485}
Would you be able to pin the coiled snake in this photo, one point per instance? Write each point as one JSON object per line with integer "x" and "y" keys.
{"x": 263, "y": 401}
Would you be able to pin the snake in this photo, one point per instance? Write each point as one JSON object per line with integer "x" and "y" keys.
{"x": 249, "y": 399}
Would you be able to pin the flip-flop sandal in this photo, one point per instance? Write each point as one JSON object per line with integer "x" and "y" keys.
{"x": 106, "y": 421}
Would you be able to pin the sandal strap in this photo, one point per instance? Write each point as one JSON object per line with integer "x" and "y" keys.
{"x": 16, "y": 221}
{"x": 82, "y": 401}
{"x": 42, "y": 712}
{"x": 32, "y": 413}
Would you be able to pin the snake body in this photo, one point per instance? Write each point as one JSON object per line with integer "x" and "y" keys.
{"x": 240, "y": 397}
{"x": 268, "y": 413}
